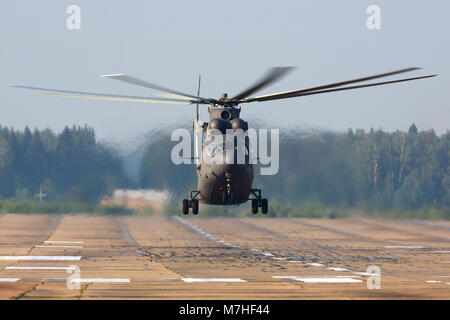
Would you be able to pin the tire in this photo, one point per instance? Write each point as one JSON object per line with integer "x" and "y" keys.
{"x": 185, "y": 206}
{"x": 264, "y": 206}
{"x": 194, "y": 204}
{"x": 254, "y": 206}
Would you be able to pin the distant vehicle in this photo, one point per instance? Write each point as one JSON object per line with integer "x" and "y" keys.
{"x": 222, "y": 181}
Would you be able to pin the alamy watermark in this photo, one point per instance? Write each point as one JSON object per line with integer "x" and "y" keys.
{"x": 73, "y": 281}
{"x": 374, "y": 20}
{"x": 374, "y": 279}
{"x": 73, "y": 22}
{"x": 233, "y": 147}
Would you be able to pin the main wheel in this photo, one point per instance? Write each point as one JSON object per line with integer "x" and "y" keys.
{"x": 264, "y": 206}
{"x": 254, "y": 206}
{"x": 194, "y": 204}
{"x": 185, "y": 206}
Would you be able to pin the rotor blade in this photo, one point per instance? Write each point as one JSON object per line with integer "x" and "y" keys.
{"x": 277, "y": 97}
{"x": 288, "y": 94}
{"x": 272, "y": 75}
{"x": 145, "y": 84}
{"x": 105, "y": 96}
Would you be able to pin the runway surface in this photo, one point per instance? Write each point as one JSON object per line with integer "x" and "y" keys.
{"x": 221, "y": 258}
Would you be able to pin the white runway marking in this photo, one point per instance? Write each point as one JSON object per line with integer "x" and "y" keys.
{"x": 66, "y": 242}
{"x": 205, "y": 234}
{"x": 9, "y": 279}
{"x": 316, "y": 264}
{"x": 338, "y": 269}
{"x": 40, "y": 258}
{"x": 276, "y": 258}
{"x": 52, "y": 246}
{"x": 210, "y": 237}
{"x": 266, "y": 254}
{"x": 433, "y": 281}
{"x": 367, "y": 274}
{"x": 39, "y": 268}
{"x": 190, "y": 280}
{"x": 440, "y": 251}
{"x": 321, "y": 279}
{"x": 404, "y": 247}
{"x": 86, "y": 280}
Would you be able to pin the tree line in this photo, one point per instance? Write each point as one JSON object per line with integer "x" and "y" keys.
{"x": 69, "y": 166}
{"x": 377, "y": 169}
{"x": 353, "y": 169}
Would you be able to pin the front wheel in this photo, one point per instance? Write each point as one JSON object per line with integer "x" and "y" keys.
{"x": 194, "y": 204}
{"x": 185, "y": 205}
{"x": 264, "y": 206}
{"x": 254, "y": 206}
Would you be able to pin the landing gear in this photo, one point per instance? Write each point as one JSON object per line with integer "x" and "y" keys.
{"x": 194, "y": 206}
{"x": 264, "y": 205}
{"x": 191, "y": 203}
{"x": 259, "y": 202}
{"x": 254, "y": 206}
{"x": 185, "y": 206}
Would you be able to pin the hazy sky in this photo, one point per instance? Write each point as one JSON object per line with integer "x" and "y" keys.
{"x": 231, "y": 43}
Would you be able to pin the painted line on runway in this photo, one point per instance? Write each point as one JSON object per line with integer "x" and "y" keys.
{"x": 433, "y": 281}
{"x": 338, "y": 269}
{"x": 200, "y": 231}
{"x": 316, "y": 264}
{"x": 441, "y": 251}
{"x": 9, "y": 279}
{"x": 404, "y": 247}
{"x": 39, "y": 268}
{"x": 191, "y": 280}
{"x": 367, "y": 274}
{"x": 52, "y": 246}
{"x": 66, "y": 242}
{"x": 285, "y": 260}
{"x": 87, "y": 280}
{"x": 40, "y": 258}
{"x": 319, "y": 279}
{"x": 267, "y": 254}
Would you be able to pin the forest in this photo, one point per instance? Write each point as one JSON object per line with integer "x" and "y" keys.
{"x": 332, "y": 172}
{"x": 374, "y": 170}
{"x": 71, "y": 166}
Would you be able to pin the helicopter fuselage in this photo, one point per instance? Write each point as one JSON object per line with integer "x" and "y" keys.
{"x": 222, "y": 178}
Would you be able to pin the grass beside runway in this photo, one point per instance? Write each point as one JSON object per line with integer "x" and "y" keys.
{"x": 17, "y": 206}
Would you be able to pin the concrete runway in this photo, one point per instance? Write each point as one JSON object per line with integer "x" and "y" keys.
{"x": 221, "y": 258}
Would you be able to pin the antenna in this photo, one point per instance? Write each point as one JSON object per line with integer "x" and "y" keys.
{"x": 198, "y": 89}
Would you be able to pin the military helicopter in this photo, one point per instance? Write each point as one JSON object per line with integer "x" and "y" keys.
{"x": 223, "y": 181}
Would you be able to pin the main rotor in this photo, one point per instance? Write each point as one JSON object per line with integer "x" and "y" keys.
{"x": 273, "y": 74}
